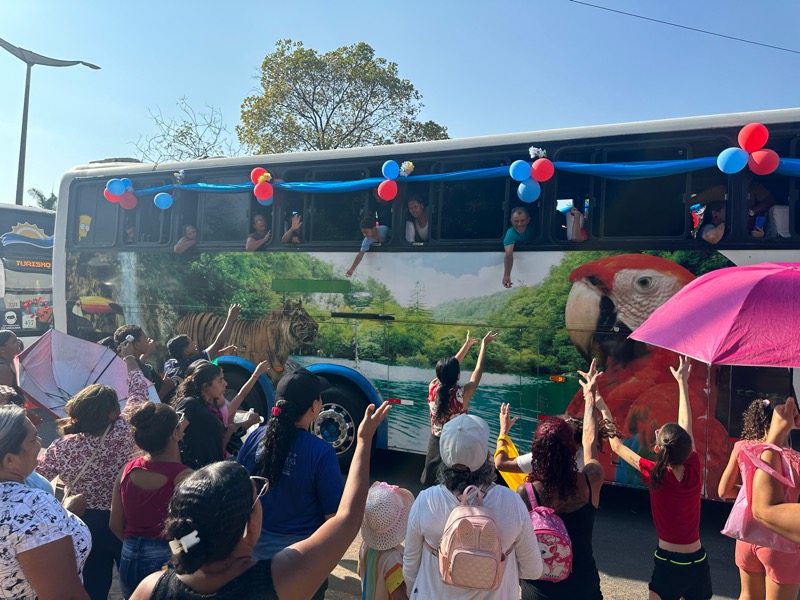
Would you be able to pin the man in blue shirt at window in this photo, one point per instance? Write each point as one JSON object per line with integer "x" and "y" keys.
{"x": 373, "y": 234}
{"x": 518, "y": 232}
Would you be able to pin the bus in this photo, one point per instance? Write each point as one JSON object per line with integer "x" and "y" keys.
{"x": 173, "y": 267}
{"x": 26, "y": 280}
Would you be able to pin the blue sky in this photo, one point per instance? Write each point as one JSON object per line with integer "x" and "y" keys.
{"x": 482, "y": 67}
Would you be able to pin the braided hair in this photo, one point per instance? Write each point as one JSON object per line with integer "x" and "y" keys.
{"x": 553, "y": 458}
{"x": 676, "y": 446}
{"x": 195, "y": 506}
{"x": 447, "y": 371}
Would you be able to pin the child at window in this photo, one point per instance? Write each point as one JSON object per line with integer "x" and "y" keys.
{"x": 373, "y": 234}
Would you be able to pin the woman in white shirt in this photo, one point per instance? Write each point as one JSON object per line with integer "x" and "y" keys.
{"x": 464, "y": 446}
{"x": 418, "y": 226}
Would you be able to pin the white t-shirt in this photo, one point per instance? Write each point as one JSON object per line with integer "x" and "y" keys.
{"x": 427, "y": 520}
{"x": 31, "y": 518}
{"x": 412, "y": 229}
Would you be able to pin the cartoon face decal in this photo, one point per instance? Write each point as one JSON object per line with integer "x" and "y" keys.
{"x": 84, "y": 224}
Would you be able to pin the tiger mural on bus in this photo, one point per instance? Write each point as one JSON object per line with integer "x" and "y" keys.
{"x": 271, "y": 338}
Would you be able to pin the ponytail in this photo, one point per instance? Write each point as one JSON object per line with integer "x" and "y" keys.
{"x": 675, "y": 445}
{"x": 447, "y": 372}
{"x": 279, "y": 436}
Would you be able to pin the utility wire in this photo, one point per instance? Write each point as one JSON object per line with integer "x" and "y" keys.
{"x": 729, "y": 37}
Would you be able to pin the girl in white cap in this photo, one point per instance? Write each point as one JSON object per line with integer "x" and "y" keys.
{"x": 380, "y": 559}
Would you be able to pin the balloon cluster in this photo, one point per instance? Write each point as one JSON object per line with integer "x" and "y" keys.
{"x": 387, "y": 190}
{"x": 762, "y": 161}
{"x": 263, "y": 188}
{"x": 530, "y": 176}
{"x": 120, "y": 190}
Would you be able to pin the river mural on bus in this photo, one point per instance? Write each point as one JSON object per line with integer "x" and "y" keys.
{"x": 564, "y": 308}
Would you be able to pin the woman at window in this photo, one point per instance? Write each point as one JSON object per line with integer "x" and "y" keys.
{"x": 418, "y": 226}
{"x": 260, "y": 235}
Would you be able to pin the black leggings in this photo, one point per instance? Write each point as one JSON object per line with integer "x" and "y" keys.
{"x": 432, "y": 461}
{"x": 106, "y": 550}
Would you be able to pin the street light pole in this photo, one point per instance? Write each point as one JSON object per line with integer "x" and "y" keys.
{"x": 30, "y": 59}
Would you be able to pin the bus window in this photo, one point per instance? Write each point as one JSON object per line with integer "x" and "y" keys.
{"x": 225, "y": 217}
{"x": 153, "y": 223}
{"x": 767, "y": 198}
{"x": 336, "y": 217}
{"x": 653, "y": 207}
{"x": 573, "y": 190}
{"x": 474, "y": 210}
{"x": 94, "y": 218}
{"x": 739, "y": 386}
{"x": 417, "y": 213}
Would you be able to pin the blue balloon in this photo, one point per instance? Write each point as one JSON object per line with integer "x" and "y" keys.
{"x": 529, "y": 190}
{"x": 390, "y": 170}
{"x": 126, "y": 182}
{"x": 267, "y": 202}
{"x": 115, "y": 187}
{"x": 163, "y": 200}
{"x": 519, "y": 170}
{"x": 732, "y": 160}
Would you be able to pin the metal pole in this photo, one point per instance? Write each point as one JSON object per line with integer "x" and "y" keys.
{"x": 23, "y": 137}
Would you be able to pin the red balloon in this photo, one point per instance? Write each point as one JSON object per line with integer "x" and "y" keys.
{"x": 387, "y": 190}
{"x": 263, "y": 190}
{"x": 753, "y": 136}
{"x": 256, "y": 173}
{"x": 110, "y": 197}
{"x": 763, "y": 162}
{"x": 127, "y": 201}
{"x": 542, "y": 169}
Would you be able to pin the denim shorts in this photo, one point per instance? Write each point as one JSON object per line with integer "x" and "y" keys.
{"x": 140, "y": 557}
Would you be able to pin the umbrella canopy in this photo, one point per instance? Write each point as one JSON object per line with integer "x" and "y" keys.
{"x": 745, "y": 316}
{"x": 57, "y": 366}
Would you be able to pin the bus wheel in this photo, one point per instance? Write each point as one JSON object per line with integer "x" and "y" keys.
{"x": 338, "y": 422}
{"x": 236, "y": 378}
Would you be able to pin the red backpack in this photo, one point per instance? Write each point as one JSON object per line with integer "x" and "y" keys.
{"x": 553, "y": 539}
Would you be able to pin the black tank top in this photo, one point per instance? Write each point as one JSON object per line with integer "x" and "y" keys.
{"x": 584, "y": 580}
{"x": 256, "y": 582}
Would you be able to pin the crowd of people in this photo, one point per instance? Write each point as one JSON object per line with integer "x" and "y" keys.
{"x": 153, "y": 489}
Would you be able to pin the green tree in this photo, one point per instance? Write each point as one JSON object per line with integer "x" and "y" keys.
{"x": 344, "y": 98}
{"x": 49, "y": 202}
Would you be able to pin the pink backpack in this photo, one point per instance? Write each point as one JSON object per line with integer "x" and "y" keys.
{"x": 470, "y": 555}
{"x": 554, "y": 542}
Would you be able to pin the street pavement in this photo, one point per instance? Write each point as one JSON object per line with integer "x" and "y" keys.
{"x": 624, "y": 538}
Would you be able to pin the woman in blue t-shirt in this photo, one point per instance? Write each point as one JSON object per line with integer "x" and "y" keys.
{"x": 305, "y": 482}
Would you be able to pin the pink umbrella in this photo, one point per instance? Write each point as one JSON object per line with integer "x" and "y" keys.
{"x": 745, "y": 316}
{"x": 57, "y": 366}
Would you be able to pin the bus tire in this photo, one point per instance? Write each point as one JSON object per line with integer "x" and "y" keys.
{"x": 337, "y": 424}
{"x": 236, "y": 378}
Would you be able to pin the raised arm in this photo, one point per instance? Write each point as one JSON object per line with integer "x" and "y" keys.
{"x": 301, "y": 568}
{"x": 477, "y": 373}
{"x": 620, "y": 449}
{"x": 681, "y": 374}
{"x": 225, "y": 333}
{"x": 137, "y": 382}
{"x": 234, "y": 405}
{"x": 589, "y": 440}
{"x": 769, "y": 507}
{"x": 462, "y": 353}
{"x": 297, "y": 223}
{"x": 501, "y": 460}
{"x": 252, "y": 244}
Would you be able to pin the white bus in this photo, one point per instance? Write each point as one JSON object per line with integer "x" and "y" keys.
{"x": 377, "y": 335}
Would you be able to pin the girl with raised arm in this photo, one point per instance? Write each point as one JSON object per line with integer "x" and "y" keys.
{"x": 447, "y": 399}
{"x": 675, "y": 480}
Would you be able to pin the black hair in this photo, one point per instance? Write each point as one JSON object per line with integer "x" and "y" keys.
{"x": 423, "y": 202}
{"x": 177, "y": 345}
{"x": 88, "y": 410}
{"x": 675, "y": 445}
{"x": 123, "y": 332}
{"x": 756, "y": 420}
{"x": 153, "y": 424}
{"x": 108, "y": 342}
{"x": 195, "y": 506}
{"x": 367, "y": 223}
{"x": 5, "y": 335}
{"x": 202, "y": 373}
{"x": 12, "y": 429}
{"x": 458, "y": 477}
{"x": 278, "y": 437}
{"x": 447, "y": 372}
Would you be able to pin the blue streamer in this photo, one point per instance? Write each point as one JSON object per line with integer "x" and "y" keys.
{"x": 638, "y": 170}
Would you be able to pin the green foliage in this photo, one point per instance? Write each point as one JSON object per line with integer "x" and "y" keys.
{"x": 344, "y": 98}
{"x": 47, "y": 202}
{"x": 473, "y": 310}
{"x": 699, "y": 262}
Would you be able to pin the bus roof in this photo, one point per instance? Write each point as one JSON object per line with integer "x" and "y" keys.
{"x": 25, "y": 208}
{"x": 786, "y": 115}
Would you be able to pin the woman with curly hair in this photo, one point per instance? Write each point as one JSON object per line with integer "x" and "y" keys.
{"x": 447, "y": 399}
{"x": 557, "y": 483}
{"x": 305, "y": 481}
{"x": 675, "y": 480}
{"x": 764, "y": 572}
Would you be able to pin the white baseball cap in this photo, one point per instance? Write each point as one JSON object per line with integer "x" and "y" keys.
{"x": 465, "y": 441}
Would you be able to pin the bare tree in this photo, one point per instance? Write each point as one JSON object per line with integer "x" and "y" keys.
{"x": 189, "y": 135}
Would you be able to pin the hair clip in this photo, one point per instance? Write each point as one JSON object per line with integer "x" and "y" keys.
{"x": 276, "y": 410}
{"x": 129, "y": 338}
{"x": 183, "y": 544}
{"x": 765, "y": 402}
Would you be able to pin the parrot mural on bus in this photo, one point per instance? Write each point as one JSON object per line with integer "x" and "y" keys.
{"x": 609, "y": 298}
